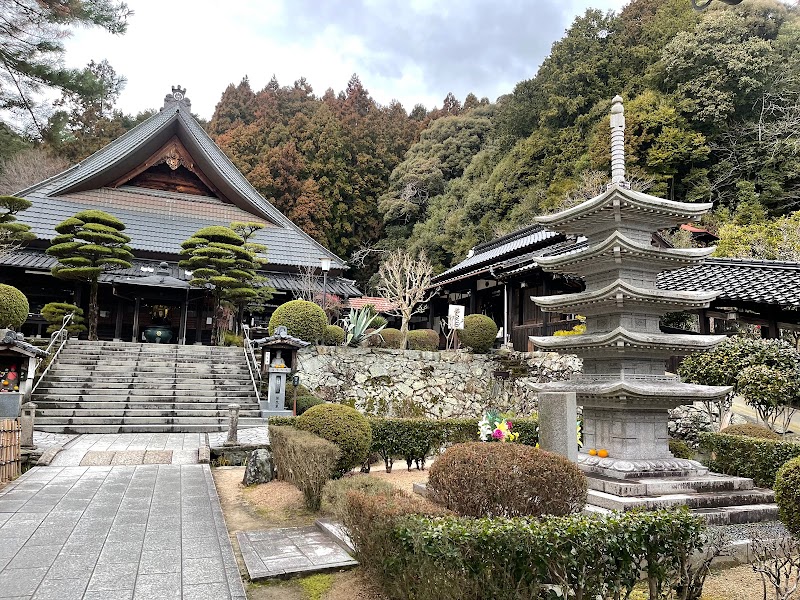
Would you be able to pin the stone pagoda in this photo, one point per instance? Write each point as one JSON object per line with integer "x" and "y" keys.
{"x": 623, "y": 389}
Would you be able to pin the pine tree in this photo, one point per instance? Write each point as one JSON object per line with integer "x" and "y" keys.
{"x": 87, "y": 245}
{"x": 12, "y": 233}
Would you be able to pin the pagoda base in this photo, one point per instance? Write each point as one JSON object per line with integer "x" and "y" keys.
{"x": 718, "y": 499}
{"x": 622, "y": 468}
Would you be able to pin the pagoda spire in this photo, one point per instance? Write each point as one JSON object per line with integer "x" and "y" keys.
{"x": 617, "y": 141}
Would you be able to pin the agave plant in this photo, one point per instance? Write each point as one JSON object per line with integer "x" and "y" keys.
{"x": 356, "y": 325}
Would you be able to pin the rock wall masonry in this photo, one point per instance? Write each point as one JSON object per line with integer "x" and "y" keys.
{"x": 413, "y": 383}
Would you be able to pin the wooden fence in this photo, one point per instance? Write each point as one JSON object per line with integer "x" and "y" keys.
{"x": 10, "y": 463}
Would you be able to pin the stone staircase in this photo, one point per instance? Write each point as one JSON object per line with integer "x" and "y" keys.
{"x": 123, "y": 387}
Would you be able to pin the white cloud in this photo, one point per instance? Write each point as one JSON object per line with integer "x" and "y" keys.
{"x": 414, "y": 52}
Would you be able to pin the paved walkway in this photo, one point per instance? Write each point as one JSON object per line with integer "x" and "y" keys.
{"x": 130, "y": 449}
{"x": 249, "y": 436}
{"x": 148, "y": 532}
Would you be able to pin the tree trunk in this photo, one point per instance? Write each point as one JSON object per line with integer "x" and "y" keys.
{"x": 404, "y": 332}
{"x": 93, "y": 310}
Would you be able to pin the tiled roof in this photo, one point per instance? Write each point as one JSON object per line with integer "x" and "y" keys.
{"x": 37, "y": 260}
{"x": 382, "y": 305}
{"x": 507, "y": 246}
{"x": 159, "y": 221}
{"x": 757, "y": 281}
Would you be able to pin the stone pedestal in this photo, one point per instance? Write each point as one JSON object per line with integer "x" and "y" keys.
{"x": 233, "y": 425}
{"x": 27, "y": 415}
{"x": 557, "y": 423}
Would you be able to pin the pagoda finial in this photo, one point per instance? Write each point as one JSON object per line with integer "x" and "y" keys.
{"x": 617, "y": 141}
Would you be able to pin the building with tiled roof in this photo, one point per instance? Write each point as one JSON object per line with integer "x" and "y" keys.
{"x": 164, "y": 179}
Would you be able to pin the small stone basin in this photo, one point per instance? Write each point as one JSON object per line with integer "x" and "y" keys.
{"x": 158, "y": 335}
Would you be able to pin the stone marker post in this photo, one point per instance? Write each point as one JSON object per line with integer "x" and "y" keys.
{"x": 558, "y": 418}
{"x": 27, "y": 415}
{"x": 233, "y": 425}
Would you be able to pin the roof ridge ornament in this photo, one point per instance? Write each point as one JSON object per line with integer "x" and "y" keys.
{"x": 618, "y": 143}
{"x": 178, "y": 96}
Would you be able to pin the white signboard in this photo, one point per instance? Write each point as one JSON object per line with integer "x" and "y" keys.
{"x": 455, "y": 316}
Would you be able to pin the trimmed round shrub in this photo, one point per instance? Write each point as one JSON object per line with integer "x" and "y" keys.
{"x": 392, "y": 338}
{"x": 751, "y": 430}
{"x": 479, "y": 333}
{"x": 494, "y": 479}
{"x": 681, "y": 449}
{"x": 787, "y": 495}
{"x": 14, "y": 307}
{"x": 302, "y": 319}
{"x": 342, "y": 425}
{"x": 306, "y": 402}
{"x": 423, "y": 339}
{"x": 334, "y": 335}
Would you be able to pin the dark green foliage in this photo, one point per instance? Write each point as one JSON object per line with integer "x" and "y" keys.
{"x": 392, "y": 338}
{"x": 342, "y": 425}
{"x": 414, "y": 554}
{"x": 302, "y": 319}
{"x": 787, "y": 494}
{"x": 334, "y": 495}
{"x": 83, "y": 256}
{"x": 282, "y": 421}
{"x": 423, "y": 339}
{"x": 743, "y": 456}
{"x": 12, "y": 233}
{"x": 220, "y": 258}
{"x": 479, "y": 333}
{"x": 303, "y": 459}
{"x": 482, "y": 479}
{"x": 414, "y": 440}
{"x": 681, "y": 449}
{"x": 334, "y": 335}
{"x": 13, "y": 307}
{"x": 306, "y": 402}
{"x": 54, "y": 313}
{"x": 231, "y": 339}
{"x": 752, "y": 430}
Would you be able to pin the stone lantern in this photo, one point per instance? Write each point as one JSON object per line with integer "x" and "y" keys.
{"x": 278, "y": 360}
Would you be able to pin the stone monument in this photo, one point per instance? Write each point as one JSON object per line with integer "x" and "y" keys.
{"x": 623, "y": 389}
{"x": 278, "y": 360}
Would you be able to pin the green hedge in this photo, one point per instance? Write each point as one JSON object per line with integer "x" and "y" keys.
{"x": 342, "y": 425}
{"x": 787, "y": 495}
{"x": 450, "y": 558}
{"x": 304, "y": 460}
{"x": 415, "y": 439}
{"x": 743, "y": 456}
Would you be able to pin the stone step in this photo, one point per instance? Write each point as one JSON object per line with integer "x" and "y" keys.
{"x": 72, "y": 400}
{"x": 188, "y": 368}
{"x": 170, "y": 360}
{"x": 694, "y": 500}
{"x": 220, "y": 412}
{"x": 46, "y": 388}
{"x": 166, "y": 392}
{"x": 657, "y": 486}
{"x": 141, "y": 378}
{"x": 150, "y": 428}
{"x": 187, "y": 404}
{"x": 125, "y": 420}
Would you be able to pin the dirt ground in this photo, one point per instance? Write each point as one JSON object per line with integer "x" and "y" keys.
{"x": 280, "y": 504}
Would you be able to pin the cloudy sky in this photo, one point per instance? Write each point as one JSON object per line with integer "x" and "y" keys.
{"x": 415, "y": 51}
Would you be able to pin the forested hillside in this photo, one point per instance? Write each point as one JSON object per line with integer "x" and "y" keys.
{"x": 712, "y": 107}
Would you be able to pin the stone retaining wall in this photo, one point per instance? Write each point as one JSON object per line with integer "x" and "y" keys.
{"x": 408, "y": 383}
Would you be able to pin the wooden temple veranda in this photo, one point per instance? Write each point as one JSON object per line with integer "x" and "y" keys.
{"x": 165, "y": 179}
{"x": 500, "y": 277}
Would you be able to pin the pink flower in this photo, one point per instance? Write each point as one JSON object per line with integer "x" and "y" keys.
{"x": 509, "y": 424}
{"x": 497, "y": 434}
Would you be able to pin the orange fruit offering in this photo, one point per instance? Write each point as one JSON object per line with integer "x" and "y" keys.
{"x": 592, "y": 452}
{"x": 602, "y": 453}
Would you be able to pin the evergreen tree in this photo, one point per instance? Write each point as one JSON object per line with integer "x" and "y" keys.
{"x": 13, "y": 234}
{"x": 87, "y": 245}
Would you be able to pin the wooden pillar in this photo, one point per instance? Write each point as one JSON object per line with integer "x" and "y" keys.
{"x": 473, "y": 298}
{"x": 431, "y": 312}
{"x": 705, "y": 326}
{"x": 136, "y": 320}
{"x": 200, "y": 316}
{"x": 184, "y": 319}
{"x": 120, "y": 312}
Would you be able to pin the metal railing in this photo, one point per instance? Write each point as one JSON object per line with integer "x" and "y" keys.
{"x": 252, "y": 363}
{"x": 57, "y": 341}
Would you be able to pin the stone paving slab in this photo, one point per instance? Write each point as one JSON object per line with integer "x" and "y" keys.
{"x": 287, "y": 551}
{"x": 141, "y": 532}
{"x": 249, "y": 436}
{"x": 130, "y": 449}
{"x": 44, "y": 439}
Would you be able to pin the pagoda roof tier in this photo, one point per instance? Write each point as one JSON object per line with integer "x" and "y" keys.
{"x": 623, "y": 341}
{"x": 657, "y": 392}
{"x": 619, "y": 204}
{"x": 621, "y": 295}
{"x": 619, "y": 250}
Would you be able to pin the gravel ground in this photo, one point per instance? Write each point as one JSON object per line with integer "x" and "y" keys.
{"x": 748, "y": 531}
